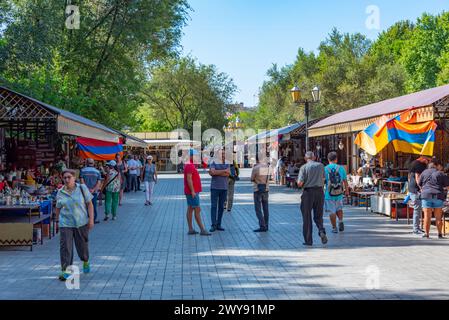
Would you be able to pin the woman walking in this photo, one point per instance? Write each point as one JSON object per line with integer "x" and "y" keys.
{"x": 433, "y": 183}
{"x": 122, "y": 168}
{"x": 75, "y": 212}
{"x": 149, "y": 177}
{"x": 112, "y": 185}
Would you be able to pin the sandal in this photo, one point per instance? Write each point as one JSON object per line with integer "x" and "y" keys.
{"x": 192, "y": 232}
{"x": 205, "y": 233}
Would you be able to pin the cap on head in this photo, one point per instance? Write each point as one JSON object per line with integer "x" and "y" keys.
{"x": 150, "y": 158}
{"x": 112, "y": 163}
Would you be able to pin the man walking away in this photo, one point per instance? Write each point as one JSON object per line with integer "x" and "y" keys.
{"x": 311, "y": 178}
{"x": 192, "y": 189}
{"x": 416, "y": 168}
{"x": 233, "y": 177}
{"x": 218, "y": 191}
{"x": 91, "y": 177}
{"x": 336, "y": 186}
{"x": 133, "y": 166}
{"x": 260, "y": 177}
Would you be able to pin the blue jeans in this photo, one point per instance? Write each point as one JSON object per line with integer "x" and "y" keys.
{"x": 217, "y": 199}
{"x": 417, "y": 211}
{"x": 261, "y": 203}
{"x": 94, "y": 202}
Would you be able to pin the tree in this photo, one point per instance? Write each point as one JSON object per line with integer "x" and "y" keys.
{"x": 421, "y": 56}
{"x": 98, "y": 70}
{"x": 182, "y": 91}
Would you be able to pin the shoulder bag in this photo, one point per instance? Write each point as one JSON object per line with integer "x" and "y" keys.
{"x": 103, "y": 190}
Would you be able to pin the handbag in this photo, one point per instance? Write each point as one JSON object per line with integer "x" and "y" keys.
{"x": 103, "y": 190}
{"x": 84, "y": 198}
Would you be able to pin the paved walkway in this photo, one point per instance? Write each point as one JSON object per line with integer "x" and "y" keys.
{"x": 147, "y": 254}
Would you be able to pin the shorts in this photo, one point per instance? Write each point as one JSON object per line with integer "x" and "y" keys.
{"x": 332, "y": 206}
{"x": 193, "y": 202}
{"x": 432, "y": 203}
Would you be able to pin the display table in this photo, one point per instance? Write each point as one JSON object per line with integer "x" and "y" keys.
{"x": 17, "y": 223}
{"x": 362, "y": 195}
{"x": 384, "y": 203}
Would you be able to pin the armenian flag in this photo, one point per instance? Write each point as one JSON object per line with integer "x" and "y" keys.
{"x": 403, "y": 131}
{"x": 98, "y": 149}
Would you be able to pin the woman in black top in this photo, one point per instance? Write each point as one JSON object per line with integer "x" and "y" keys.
{"x": 433, "y": 183}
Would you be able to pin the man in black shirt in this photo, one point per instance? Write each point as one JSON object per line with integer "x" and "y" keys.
{"x": 416, "y": 168}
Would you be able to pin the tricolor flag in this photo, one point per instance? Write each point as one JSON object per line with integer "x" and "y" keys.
{"x": 98, "y": 149}
{"x": 406, "y": 135}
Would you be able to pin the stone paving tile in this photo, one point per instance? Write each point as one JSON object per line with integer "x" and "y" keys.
{"x": 146, "y": 254}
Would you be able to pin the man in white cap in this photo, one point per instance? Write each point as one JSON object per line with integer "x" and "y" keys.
{"x": 91, "y": 177}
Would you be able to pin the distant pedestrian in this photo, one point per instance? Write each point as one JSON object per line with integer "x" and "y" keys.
{"x": 133, "y": 167}
{"x": 75, "y": 213}
{"x": 149, "y": 177}
{"x": 311, "y": 178}
{"x": 112, "y": 187}
{"x": 122, "y": 168}
{"x": 336, "y": 187}
{"x": 260, "y": 177}
{"x": 277, "y": 172}
{"x": 91, "y": 177}
{"x": 233, "y": 177}
{"x": 218, "y": 190}
{"x": 139, "y": 172}
{"x": 434, "y": 185}
{"x": 417, "y": 167}
{"x": 283, "y": 172}
{"x": 192, "y": 189}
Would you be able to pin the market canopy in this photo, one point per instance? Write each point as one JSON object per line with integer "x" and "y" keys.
{"x": 132, "y": 141}
{"x": 358, "y": 119}
{"x": 17, "y": 107}
{"x": 268, "y": 134}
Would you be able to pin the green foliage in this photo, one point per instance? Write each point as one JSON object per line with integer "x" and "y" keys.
{"x": 182, "y": 91}
{"x": 352, "y": 72}
{"x": 427, "y": 44}
{"x": 97, "y": 70}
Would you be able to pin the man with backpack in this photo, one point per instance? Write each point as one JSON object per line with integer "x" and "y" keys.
{"x": 336, "y": 186}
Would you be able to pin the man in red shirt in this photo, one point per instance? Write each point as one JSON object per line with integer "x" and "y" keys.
{"x": 192, "y": 189}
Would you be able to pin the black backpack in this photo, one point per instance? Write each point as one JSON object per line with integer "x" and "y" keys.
{"x": 334, "y": 183}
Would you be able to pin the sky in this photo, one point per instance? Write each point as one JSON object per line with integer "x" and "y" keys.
{"x": 243, "y": 38}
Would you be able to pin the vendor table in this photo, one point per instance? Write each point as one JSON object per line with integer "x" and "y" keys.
{"x": 363, "y": 194}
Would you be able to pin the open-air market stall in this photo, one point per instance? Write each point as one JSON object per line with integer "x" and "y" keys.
{"x": 37, "y": 140}
{"x": 166, "y": 153}
{"x": 399, "y": 130}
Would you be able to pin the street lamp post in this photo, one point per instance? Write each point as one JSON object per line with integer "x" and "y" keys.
{"x": 296, "y": 96}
